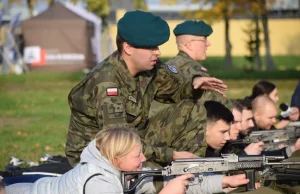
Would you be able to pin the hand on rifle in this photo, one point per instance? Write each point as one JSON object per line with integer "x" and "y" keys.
{"x": 232, "y": 182}
{"x": 296, "y": 146}
{"x": 254, "y": 148}
{"x": 177, "y": 185}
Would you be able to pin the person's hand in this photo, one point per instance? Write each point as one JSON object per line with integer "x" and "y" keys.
{"x": 280, "y": 146}
{"x": 177, "y": 185}
{"x": 209, "y": 83}
{"x": 257, "y": 185}
{"x": 183, "y": 154}
{"x": 254, "y": 148}
{"x": 296, "y": 146}
{"x": 295, "y": 114}
{"x": 234, "y": 181}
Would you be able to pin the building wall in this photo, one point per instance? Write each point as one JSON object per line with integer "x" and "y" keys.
{"x": 284, "y": 36}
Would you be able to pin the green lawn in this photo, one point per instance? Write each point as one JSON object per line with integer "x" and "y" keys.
{"x": 34, "y": 111}
{"x": 240, "y": 63}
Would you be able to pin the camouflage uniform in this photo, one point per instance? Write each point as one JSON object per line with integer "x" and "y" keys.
{"x": 94, "y": 108}
{"x": 188, "y": 68}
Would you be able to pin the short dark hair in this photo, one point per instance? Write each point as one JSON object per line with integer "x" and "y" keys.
{"x": 246, "y": 103}
{"x": 216, "y": 111}
{"x": 237, "y": 105}
{"x": 119, "y": 42}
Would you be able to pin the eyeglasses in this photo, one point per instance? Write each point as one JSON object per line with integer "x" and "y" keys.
{"x": 205, "y": 40}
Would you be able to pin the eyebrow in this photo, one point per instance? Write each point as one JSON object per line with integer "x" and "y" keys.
{"x": 224, "y": 130}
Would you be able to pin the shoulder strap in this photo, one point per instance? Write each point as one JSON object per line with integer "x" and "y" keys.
{"x": 97, "y": 174}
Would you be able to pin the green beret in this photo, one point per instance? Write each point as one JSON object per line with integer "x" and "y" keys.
{"x": 197, "y": 28}
{"x": 143, "y": 29}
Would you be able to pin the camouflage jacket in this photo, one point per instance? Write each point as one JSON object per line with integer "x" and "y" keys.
{"x": 109, "y": 96}
{"x": 188, "y": 66}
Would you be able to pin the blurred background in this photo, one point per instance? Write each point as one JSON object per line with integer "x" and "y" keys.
{"x": 47, "y": 46}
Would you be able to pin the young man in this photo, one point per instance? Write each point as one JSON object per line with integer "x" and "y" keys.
{"x": 247, "y": 117}
{"x": 219, "y": 120}
{"x": 236, "y": 126}
{"x": 118, "y": 92}
{"x": 264, "y": 112}
{"x": 192, "y": 43}
{"x": 240, "y": 107}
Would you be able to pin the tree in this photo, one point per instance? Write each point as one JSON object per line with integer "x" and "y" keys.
{"x": 102, "y": 9}
{"x": 258, "y": 11}
{"x": 140, "y": 4}
{"x": 252, "y": 10}
{"x": 264, "y": 20}
{"x": 221, "y": 10}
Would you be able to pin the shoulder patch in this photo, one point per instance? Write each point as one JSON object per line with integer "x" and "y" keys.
{"x": 203, "y": 69}
{"x": 172, "y": 69}
{"x": 112, "y": 91}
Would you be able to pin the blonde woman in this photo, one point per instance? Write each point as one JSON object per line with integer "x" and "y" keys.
{"x": 112, "y": 151}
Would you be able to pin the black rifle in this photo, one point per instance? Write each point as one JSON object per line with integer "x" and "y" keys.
{"x": 272, "y": 138}
{"x": 225, "y": 164}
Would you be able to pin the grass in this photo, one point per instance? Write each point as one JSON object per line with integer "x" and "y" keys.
{"x": 34, "y": 111}
{"x": 216, "y": 63}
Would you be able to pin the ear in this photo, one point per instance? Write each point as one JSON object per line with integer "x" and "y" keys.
{"x": 116, "y": 161}
{"x": 256, "y": 115}
{"x": 189, "y": 46}
{"x": 127, "y": 48}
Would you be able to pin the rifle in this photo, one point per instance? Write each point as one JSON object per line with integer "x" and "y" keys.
{"x": 226, "y": 163}
{"x": 294, "y": 124}
{"x": 272, "y": 138}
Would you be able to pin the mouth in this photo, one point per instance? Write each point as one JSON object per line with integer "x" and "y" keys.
{"x": 154, "y": 61}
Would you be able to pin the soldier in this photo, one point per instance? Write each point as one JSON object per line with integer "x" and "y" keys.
{"x": 192, "y": 43}
{"x": 118, "y": 93}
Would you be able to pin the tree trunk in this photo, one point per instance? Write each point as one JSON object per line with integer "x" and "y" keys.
{"x": 257, "y": 44}
{"x": 228, "y": 57}
{"x": 264, "y": 18}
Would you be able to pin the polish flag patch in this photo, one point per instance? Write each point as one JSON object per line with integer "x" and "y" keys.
{"x": 203, "y": 69}
{"x": 112, "y": 92}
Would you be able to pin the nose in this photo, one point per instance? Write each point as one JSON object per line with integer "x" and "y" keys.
{"x": 208, "y": 43}
{"x": 143, "y": 158}
{"x": 251, "y": 123}
{"x": 157, "y": 52}
{"x": 227, "y": 137}
{"x": 239, "y": 126}
{"x": 273, "y": 120}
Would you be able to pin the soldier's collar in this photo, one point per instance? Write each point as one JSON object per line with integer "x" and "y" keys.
{"x": 181, "y": 53}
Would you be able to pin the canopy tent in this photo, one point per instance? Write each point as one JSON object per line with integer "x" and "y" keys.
{"x": 62, "y": 38}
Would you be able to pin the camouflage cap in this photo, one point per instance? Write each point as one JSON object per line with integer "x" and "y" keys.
{"x": 197, "y": 28}
{"x": 143, "y": 29}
